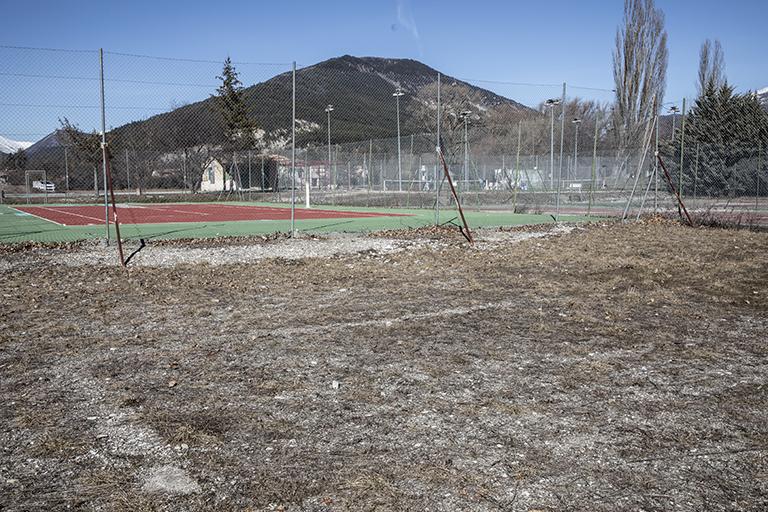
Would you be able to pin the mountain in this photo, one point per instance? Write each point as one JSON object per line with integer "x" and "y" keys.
{"x": 11, "y": 146}
{"x": 53, "y": 140}
{"x": 359, "y": 88}
{"x": 762, "y": 95}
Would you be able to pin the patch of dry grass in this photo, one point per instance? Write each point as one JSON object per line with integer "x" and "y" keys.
{"x": 615, "y": 367}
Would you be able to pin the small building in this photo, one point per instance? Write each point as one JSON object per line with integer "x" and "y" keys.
{"x": 216, "y": 179}
{"x": 317, "y": 174}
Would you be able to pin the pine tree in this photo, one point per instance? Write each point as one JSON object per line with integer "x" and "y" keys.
{"x": 728, "y": 129}
{"x": 18, "y": 160}
{"x": 238, "y": 128}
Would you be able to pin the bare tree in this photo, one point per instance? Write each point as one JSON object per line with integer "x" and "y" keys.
{"x": 711, "y": 67}
{"x": 639, "y": 72}
{"x": 456, "y": 98}
{"x": 87, "y": 153}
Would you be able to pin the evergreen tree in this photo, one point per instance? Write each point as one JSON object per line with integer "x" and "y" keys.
{"x": 18, "y": 160}
{"x": 238, "y": 128}
{"x": 727, "y": 130}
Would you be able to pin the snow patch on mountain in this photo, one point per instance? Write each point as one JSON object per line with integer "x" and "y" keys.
{"x": 11, "y": 146}
{"x": 762, "y": 96}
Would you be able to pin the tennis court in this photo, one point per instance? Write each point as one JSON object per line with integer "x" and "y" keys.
{"x": 91, "y": 215}
{"x": 53, "y": 223}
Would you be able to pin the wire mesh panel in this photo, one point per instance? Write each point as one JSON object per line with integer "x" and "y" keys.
{"x": 364, "y": 134}
{"x": 176, "y": 132}
{"x": 43, "y": 93}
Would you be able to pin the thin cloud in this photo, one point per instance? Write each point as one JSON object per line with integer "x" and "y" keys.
{"x": 406, "y": 20}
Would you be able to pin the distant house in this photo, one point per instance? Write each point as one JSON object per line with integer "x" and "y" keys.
{"x": 216, "y": 179}
{"x": 316, "y": 172}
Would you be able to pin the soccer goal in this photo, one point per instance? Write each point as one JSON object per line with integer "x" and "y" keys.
{"x": 36, "y": 183}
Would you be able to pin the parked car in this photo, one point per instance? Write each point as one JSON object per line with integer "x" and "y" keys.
{"x": 45, "y": 186}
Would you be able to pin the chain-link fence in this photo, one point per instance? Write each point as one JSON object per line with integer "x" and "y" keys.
{"x": 346, "y": 132}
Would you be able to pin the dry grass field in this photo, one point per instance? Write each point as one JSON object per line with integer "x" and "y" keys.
{"x": 607, "y": 367}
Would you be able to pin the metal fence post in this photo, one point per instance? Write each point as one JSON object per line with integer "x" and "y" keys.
{"x": 307, "y": 178}
{"x": 335, "y": 173}
{"x": 656, "y": 170}
{"x": 184, "y": 169}
{"x": 293, "y": 152}
{"x": 437, "y": 181}
{"x": 696, "y": 173}
{"x": 127, "y": 172}
{"x": 104, "y": 142}
{"x": 560, "y": 165}
{"x": 551, "y": 147}
{"x": 399, "y": 159}
{"x": 594, "y": 166}
{"x": 682, "y": 152}
{"x": 66, "y": 169}
{"x": 757, "y": 174}
{"x": 516, "y": 182}
{"x": 370, "y": 163}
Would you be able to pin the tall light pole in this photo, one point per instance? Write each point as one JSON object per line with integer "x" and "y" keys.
{"x": 674, "y": 109}
{"x": 328, "y": 111}
{"x": 550, "y": 104}
{"x": 576, "y": 121}
{"x": 465, "y": 116}
{"x": 399, "y": 92}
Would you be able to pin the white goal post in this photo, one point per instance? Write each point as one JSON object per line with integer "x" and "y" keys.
{"x": 36, "y": 181}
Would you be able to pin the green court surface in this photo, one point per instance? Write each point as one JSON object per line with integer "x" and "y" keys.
{"x": 16, "y": 226}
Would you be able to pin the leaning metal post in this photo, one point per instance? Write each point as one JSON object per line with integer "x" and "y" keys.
{"x": 108, "y": 184}
{"x": 680, "y": 204}
{"x": 467, "y": 233}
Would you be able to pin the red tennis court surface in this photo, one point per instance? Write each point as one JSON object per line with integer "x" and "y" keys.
{"x": 164, "y": 213}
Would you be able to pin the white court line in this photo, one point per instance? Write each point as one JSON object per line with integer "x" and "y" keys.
{"x": 335, "y": 213}
{"x": 98, "y": 220}
{"x": 161, "y": 209}
{"x": 37, "y": 216}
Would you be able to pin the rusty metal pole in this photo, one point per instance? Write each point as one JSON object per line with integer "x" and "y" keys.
{"x": 467, "y": 233}
{"x": 674, "y": 190}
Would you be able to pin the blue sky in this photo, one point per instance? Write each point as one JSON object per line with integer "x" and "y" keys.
{"x": 544, "y": 42}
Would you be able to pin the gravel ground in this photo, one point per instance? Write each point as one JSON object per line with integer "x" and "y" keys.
{"x": 605, "y": 367}
{"x": 250, "y": 250}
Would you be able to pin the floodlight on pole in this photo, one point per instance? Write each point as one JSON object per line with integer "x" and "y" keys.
{"x": 328, "y": 111}
{"x": 674, "y": 109}
{"x": 551, "y": 104}
{"x": 465, "y": 116}
{"x": 399, "y": 92}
